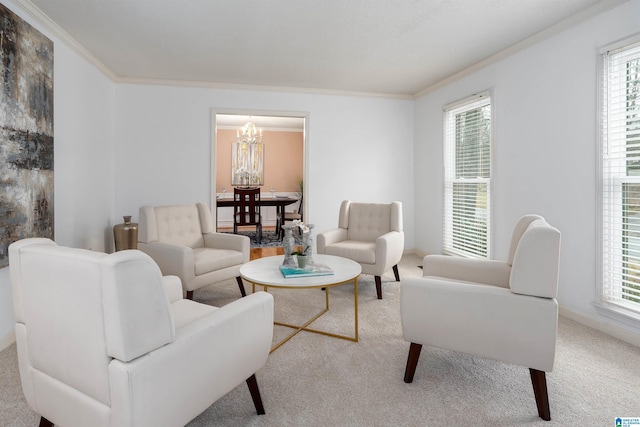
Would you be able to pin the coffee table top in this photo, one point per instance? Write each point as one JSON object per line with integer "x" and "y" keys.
{"x": 265, "y": 271}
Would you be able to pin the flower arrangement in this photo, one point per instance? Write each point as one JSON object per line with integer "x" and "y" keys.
{"x": 303, "y": 228}
{"x": 304, "y": 251}
{"x": 303, "y": 255}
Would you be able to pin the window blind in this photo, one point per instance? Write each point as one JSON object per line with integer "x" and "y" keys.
{"x": 467, "y": 152}
{"x": 621, "y": 177}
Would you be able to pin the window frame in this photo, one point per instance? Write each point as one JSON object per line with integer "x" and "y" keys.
{"x": 450, "y": 111}
{"x": 610, "y": 187}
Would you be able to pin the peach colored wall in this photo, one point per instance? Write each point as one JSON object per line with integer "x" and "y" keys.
{"x": 283, "y": 160}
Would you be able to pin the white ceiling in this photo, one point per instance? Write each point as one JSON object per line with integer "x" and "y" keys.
{"x": 392, "y": 47}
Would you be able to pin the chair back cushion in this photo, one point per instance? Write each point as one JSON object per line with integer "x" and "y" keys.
{"x": 137, "y": 314}
{"x": 61, "y": 310}
{"x": 82, "y": 308}
{"x": 368, "y": 221}
{"x": 178, "y": 224}
{"x": 536, "y": 261}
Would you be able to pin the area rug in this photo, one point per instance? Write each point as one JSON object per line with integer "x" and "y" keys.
{"x": 269, "y": 238}
{"x": 315, "y": 380}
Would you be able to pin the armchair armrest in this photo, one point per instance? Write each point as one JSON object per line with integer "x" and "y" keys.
{"x": 209, "y": 357}
{"x": 481, "y": 320}
{"x": 173, "y": 260}
{"x": 233, "y": 242}
{"x": 174, "y": 288}
{"x": 389, "y": 249}
{"x": 330, "y": 237}
{"x": 490, "y": 272}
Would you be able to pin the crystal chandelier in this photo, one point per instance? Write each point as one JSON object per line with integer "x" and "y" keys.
{"x": 247, "y": 157}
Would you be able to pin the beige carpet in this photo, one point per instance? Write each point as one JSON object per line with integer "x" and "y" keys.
{"x": 314, "y": 380}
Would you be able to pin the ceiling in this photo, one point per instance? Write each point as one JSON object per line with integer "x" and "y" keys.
{"x": 383, "y": 47}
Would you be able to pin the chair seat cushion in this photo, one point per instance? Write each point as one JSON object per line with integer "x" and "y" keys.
{"x": 363, "y": 252}
{"x": 210, "y": 259}
{"x": 292, "y": 215}
{"x": 186, "y": 311}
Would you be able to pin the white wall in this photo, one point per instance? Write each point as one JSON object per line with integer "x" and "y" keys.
{"x": 120, "y": 146}
{"x": 358, "y": 148}
{"x": 545, "y": 140}
{"x": 83, "y": 159}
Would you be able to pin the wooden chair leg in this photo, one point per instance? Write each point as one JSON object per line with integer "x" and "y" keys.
{"x": 241, "y": 286}
{"x": 45, "y": 422}
{"x": 255, "y": 394}
{"x": 539, "y": 381}
{"x": 412, "y": 361}
{"x": 396, "y": 273}
{"x": 379, "y": 286}
{"x": 190, "y": 295}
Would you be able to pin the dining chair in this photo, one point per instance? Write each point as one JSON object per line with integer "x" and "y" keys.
{"x": 246, "y": 210}
{"x": 290, "y": 216}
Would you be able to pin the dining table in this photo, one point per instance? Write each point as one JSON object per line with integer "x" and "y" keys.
{"x": 278, "y": 201}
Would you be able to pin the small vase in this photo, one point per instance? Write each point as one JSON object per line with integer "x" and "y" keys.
{"x": 302, "y": 260}
{"x": 288, "y": 241}
{"x": 125, "y": 235}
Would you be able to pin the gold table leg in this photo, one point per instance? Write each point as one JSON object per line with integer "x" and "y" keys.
{"x": 304, "y": 327}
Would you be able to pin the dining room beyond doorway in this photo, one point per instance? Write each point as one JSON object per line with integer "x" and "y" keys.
{"x": 282, "y": 165}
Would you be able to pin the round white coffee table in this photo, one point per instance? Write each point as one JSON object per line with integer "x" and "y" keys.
{"x": 265, "y": 272}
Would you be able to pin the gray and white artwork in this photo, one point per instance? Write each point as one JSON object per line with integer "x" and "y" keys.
{"x": 26, "y": 132}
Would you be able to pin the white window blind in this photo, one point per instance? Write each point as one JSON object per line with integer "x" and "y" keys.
{"x": 621, "y": 178}
{"x": 467, "y": 150}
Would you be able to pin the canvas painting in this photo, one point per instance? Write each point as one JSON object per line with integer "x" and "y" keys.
{"x": 26, "y": 132}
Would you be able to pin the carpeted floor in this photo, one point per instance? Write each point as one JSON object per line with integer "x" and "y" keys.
{"x": 314, "y": 380}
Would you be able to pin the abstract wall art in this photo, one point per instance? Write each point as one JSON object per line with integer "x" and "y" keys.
{"x": 26, "y": 132}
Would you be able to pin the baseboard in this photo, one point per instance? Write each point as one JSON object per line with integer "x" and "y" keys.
{"x": 5, "y": 342}
{"x": 607, "y": 328}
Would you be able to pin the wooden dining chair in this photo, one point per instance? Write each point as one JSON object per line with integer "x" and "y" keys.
{"x": 246, "y": 210}
{"x": 290, "y": 216}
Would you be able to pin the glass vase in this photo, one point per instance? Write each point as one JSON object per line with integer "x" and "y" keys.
{"x": 288, "y": 241}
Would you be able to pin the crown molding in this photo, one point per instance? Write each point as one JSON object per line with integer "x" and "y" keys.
{"x": 249, "y": 87}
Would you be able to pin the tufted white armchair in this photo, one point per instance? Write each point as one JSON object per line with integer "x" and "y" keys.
{"x": 370, "y": 234}
{"x": 183, "y": 241}
{"x": 106, "y": 341}
{"x": 502, "y": 310}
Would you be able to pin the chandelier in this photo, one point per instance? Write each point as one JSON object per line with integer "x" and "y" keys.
{"x": 247, "y": 157}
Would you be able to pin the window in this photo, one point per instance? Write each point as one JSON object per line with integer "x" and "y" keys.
{"x": 620, "y": 126}
{"x": 467, "y": 151}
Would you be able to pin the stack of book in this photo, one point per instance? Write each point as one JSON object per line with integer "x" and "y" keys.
{"x": 307, "y": 271}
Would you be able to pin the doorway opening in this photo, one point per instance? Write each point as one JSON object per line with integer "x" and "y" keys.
{"x": 284, "y": 137}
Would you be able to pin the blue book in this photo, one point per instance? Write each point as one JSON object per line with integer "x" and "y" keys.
{"x": 308, "y": 271}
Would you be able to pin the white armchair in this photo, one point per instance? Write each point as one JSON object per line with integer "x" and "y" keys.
{"x": 182, "y": 241}
{"x": 370, "y": 234}
{"x": 105, "y": 340}
{"x": 502, "y": 310}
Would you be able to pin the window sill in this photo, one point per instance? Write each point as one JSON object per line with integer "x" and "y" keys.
{"x": 619, "y": 314}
